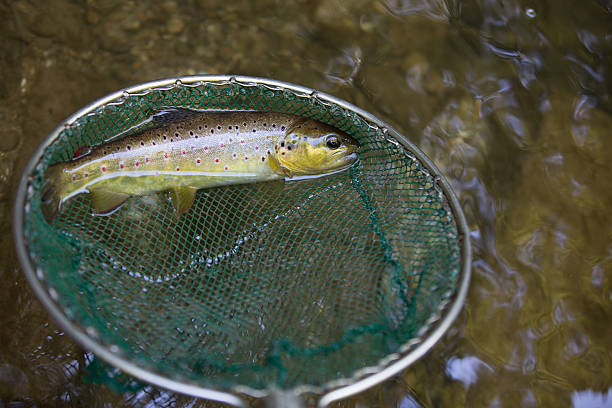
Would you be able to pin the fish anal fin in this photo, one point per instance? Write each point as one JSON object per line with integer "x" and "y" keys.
{"x": 277, "y": 167}
{"x": 182, "y": 198}
{"x": 105, "y": 201}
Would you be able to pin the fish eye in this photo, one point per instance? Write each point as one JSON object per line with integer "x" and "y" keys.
{"x": 333, "y": 142}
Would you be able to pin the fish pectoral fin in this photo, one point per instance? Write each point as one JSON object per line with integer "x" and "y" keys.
{"x": 278, "y": 168}
{"x": 182, "y": 198}
{"x": 170, "y": 115}
{"x": 105, "y": 201}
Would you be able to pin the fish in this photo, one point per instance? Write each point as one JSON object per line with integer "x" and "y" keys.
{"x": 187, "y": 150}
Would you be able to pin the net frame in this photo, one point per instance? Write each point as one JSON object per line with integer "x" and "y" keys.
{"x": 409, "y": 352}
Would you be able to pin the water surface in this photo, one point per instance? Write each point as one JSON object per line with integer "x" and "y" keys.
{"x": 510, "y": 99}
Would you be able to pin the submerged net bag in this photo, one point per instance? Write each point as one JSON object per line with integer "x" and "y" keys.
{"x": 305, "y": 286}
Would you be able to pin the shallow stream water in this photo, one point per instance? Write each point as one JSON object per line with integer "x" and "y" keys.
{"x": 511, "y": 99}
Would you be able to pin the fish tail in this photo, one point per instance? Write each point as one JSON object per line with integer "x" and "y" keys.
{"x": 50, "y": 194}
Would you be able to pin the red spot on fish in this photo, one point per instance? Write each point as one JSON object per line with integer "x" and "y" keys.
{"x": 147, "y": 159}
{"x": 242, "y": 141}
{"x": 256, "y": 147}
{"x": 136, "y": 164}
{"x": 74, "y": 178}
{"x": 121, "y": 165}
{"x": 216, "y": 160}
{"x": 103, "y": 168}
{"x": 165, "y": 155}
{"x": 234, "y": 154}
{"x": 226, "y": 168}
{"x": 246, "y": 158}
{"x": 198, "y": 161}
{"x": 178, "y": 169}
{"x": 205, "y": 147}
{"x": 222, "y": 145}
{"x": 184, "y": 152}
{"x": 85, "y": 175}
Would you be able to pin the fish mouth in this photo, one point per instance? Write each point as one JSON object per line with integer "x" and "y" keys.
{"x": 345, "y": 161}
{"x": 350, "y": 158}
{"x": 350, "y": 152}
{"x": 352, "y": 148}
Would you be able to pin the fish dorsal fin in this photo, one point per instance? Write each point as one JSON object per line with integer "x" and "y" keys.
{"x": 170, "y": 115}
{"x": 182, "y": 198}
{"x": 105, "y": 201}
{"x": 277, "y": 167}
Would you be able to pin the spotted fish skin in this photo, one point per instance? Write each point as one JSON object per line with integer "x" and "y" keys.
{"x": 204, "y": 149}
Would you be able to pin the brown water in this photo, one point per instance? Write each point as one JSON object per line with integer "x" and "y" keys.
{"x": 510, "y": 98}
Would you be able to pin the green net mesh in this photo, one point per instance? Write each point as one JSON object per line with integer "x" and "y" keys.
{"x": 274, "y": 284}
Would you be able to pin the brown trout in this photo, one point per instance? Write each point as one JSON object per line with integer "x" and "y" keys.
{"x": 194, "y": 150}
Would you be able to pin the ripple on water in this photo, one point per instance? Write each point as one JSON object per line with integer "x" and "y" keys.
{"x": 511, "y": 100}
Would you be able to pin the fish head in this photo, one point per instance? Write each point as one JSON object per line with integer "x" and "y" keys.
{"x": 312, "y": 148}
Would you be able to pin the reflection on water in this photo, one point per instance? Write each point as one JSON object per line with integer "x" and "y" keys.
{"x": 511, "y": 99}
{"x": 465, "y": 369}
{"x": 590, "y": 398}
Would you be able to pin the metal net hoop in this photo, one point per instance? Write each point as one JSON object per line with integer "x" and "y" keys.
{"x": 309, "y": 285}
